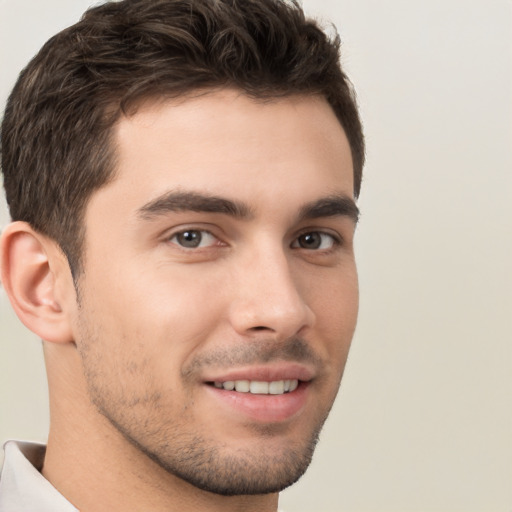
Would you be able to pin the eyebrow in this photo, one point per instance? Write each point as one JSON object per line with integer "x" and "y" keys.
{"x": 331, "y": 206}
{"x": 176, "y": 201}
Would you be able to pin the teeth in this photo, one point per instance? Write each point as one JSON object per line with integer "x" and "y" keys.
{"x": 242, "y": 386}
{"x": 276, "y": 387}
{"x": 229, "y": 385}
{"x": 257, "y": 387}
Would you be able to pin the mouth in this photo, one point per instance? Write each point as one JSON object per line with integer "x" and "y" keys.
{"x": 258, "y": 387}
{"x": 265, "y": 395}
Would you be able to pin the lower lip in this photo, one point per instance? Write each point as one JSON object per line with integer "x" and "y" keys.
{"x": 264, "y": 408}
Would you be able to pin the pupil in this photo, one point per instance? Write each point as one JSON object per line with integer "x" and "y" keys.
{"x": 189, "y": 238}
{"x": 310, "y": 241}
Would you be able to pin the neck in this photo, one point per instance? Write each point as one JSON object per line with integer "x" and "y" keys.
{"x": 97, "y": 469}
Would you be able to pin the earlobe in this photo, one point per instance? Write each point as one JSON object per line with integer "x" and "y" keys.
{"x": 32, "y": 273}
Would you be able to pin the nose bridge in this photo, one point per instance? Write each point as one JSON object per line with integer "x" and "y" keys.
{"x": 267, "y": 294}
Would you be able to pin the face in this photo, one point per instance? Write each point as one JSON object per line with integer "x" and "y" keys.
{"x": 219, "y": 295}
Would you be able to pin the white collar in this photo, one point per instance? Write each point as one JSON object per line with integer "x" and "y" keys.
{"x": 22, "y": 487}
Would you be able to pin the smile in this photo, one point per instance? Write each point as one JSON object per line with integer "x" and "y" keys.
{"x": 256, "y": 387}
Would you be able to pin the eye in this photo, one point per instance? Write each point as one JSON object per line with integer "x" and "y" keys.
{"x": 193, "y": 239}
{"x": 315, "y": 240}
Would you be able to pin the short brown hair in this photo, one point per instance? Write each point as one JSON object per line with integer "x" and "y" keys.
{"x": 55, "y": 133}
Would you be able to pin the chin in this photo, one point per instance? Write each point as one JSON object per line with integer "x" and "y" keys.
{"x": 217, "y": 468}
{"x": 244, "y": 474}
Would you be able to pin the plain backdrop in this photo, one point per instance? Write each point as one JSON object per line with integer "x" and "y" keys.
{"x": 424, "y": 418}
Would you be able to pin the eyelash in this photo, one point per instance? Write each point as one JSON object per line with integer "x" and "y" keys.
{"x": 191, "y": 231}
{"x": 335, "y": 240}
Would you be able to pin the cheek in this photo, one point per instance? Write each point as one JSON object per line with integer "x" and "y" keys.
{"x": 156, "y": 324}
{"x": 336, "y": 308}
{"x": 147, "y": 296}
{"x": 336, "y": 301}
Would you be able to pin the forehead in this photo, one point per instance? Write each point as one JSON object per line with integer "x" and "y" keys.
{"x": 225, "y": 143}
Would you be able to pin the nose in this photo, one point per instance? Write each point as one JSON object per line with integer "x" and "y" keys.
{"x": 267, "y": 298}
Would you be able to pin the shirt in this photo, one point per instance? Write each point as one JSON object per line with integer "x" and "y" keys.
{"x": 22, "y": 486}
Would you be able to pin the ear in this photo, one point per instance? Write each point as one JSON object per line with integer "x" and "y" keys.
{"x": 36, "y": 276}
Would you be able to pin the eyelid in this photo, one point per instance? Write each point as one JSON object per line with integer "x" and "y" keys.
{"x": 172, "y": 233}
{"x": 336, "y": 237}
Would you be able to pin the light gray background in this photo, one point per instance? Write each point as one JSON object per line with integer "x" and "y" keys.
{"x": 424, "y": 419}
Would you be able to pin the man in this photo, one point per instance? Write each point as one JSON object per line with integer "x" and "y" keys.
{"x": 181, "y": 176}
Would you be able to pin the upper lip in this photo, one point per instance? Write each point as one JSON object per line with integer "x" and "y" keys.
{"x": 266, "y": 373}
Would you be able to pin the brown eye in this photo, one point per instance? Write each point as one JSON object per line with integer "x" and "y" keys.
{"x": 310, "y": 241}
{"x": 315, "y": 240}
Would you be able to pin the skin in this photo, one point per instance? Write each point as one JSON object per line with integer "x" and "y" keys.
{"x": 270, "y": 291}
